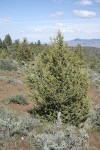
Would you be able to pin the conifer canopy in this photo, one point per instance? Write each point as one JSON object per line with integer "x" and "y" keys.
{"x": 58, "y": 82}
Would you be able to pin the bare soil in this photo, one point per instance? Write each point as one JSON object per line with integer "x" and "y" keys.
{"x": 8, "y": 90}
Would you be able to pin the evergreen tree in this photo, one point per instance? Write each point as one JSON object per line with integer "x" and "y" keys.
{"x": 13, "y": 49}
{"x": 79, "y": 52}
{"x": 94, "y": 63}
{"x": 4, "y": 45}
{"x": 1, "y": 44}
{"x": 16, "y": 43}
{"x": 58, "y": 81}
{"x": 24, "y": 53}
{"x": 38, "y": 42}
{"x": 8, "y": 40}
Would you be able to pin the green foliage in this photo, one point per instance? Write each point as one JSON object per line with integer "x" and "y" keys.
{"x": 58, "y": 81}
{"x": 24, "y": 53}
{"x": 13, "y": 49}
{"x": 16, "y": 42}
{"x": 4, "y": 53}
{"x": 79, "y": 51}
{"x": 18, "y": 99}
{"x": 20, "y": 51}
{"x": 7, "y": 40}
{"x": 1, "y": 44}
{"x": 92, "y": 58}
{"x": 94, "y": 64}
{"x": 38, "y": 42}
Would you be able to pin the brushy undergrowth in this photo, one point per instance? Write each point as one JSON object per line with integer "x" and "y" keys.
{"x": 8, "y": 64}
{"x": 95, "y": 78}
{"x": 62, "y": 139}
{"x": 18, "y": 99}
{"x": 13, "y": 125}
{"x": 95, "y": 118}
{"x": 14, "y": 81}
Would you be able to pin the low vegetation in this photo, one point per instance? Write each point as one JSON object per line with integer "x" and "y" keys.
{"x": 8, "y": 64}
{"x": 95, "y": 119}
{"x": 14, "y": 126}
{"x": 18, "y": 99}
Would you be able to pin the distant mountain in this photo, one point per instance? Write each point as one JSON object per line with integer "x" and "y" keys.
{"x": 85, "y": 42}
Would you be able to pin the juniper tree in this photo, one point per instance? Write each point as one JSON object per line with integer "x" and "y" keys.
{"x": 8, "y": 40}
{"x": 1, "y": 44}
{"x": 79, "y": 51}
{"x": 58, "y": 82}
{"x": 24, "y": 52}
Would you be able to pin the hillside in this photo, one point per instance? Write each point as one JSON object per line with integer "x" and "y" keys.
{"x": 21, "y": 127}
{"x": 84, "y": 42}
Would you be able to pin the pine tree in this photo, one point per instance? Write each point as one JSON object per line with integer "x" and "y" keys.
{"x": 58, "y": 81}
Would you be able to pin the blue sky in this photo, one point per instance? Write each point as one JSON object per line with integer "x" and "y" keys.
{"x": 40, "y": 19}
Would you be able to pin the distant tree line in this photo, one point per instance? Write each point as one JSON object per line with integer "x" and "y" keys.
{"x": 20, "y": 51}
{"x": 25, "y": 51}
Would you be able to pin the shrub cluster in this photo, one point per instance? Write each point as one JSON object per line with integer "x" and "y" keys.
{"x": 18, "y": 99}
{"x": 8, "y": 64}
{"x": 67, "y": 139}
{"x": 12, "y": 125}
{"x": 95, "y": 118}
{"x": 14, "y": 81}
{"x": 52, "y": 138}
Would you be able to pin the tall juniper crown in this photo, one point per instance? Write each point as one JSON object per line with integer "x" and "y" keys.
{"x": 58, "y": 82}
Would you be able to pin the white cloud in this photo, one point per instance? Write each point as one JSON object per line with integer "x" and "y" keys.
{"x": 58, "y": 1}
{"x": 38, "y": 30}
{"x": 58, "y": 14}
{"x": 98, "y": 1}
{"x": 86, "y": 2}
{"x": 70, "y": 30}
{"x": 5, "y": 21}
{"x": 84, "y": 13}
{"x": 64, "y": 28}
{"x": 60, "y": 24}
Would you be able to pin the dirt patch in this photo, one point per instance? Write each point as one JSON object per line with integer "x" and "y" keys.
{"x": 9, "y": 89}
{"x": 21, "y": 107}
{"x": 94, "y": 96}
{"x": 94, "y": 140}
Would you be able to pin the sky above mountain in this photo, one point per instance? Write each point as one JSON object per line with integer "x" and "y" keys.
{"x": 40, "y": 19}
